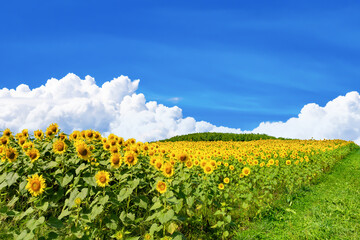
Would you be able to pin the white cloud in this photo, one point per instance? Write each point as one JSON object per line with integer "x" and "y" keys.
{"x": 338, "y": 119}
{"x": 115, "y": 107}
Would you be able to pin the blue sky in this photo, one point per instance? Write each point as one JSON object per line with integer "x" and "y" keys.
{"x": 230, "y": 63}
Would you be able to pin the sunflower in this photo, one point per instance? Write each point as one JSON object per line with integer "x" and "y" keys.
{"x": 161, "y": 187}
{"x": 106, "y": 146}
{"x": 89, "y": 134}
{"x": 21, "y": 141}
{"x": 246, "y": 171}
{"x": 183, "y": 157}
{"x": 75, "y": 135}
{"x": 221, "y": 186}
{"x": 7, "y": 133}
{"x": 102, "y": 178}
{"x": 49, "y": 134}
{"x": 226, "y": 180}
{"x": 97, "y": 135}
{"x": 83, "y": 150}
{"x": 231, "y": 167}
{"x": 11, "y": 154}
{"x": 27, "y": 145}
{"x": 36, "y": 185}
{"x": 115, "y": 160}
{"x": 62, "y": 136}
{"x": 114, "y": 150}
{"x": 4, "y": 140}
{"x": 38, "y": 134}
{"x": 54, "y": 127}
{"x": 288, "y": 162}
{"x": 33, "y": 154}
{"x": 189, "y": 164}
{"x": 158, "y": 163}
{"x": 25, "y": 133}
{"x": 208, "y": 169}
{"x": 168, "y": 170}
{"x": 130, "y": 159}
{"x": 59, "y": 147}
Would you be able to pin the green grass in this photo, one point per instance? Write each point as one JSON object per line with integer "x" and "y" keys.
{"x": 330, "y": 209}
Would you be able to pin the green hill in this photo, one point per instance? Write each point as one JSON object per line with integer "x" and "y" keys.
{"x": 213, "y": 136}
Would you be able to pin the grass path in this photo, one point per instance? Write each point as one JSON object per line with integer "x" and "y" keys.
{"x": 327, "y": 210}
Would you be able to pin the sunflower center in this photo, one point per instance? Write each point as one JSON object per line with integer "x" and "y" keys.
{"x": 53, "y": 128}
{"x": 168, "y": 170}
{"x": 11, "y": 155}
{"x": 116, "y": 160}
{"x": 35, "y": 186}
{"x": 183, "y": 158}
{"x": 60, "y": 146}
{"x": 4, "y": 141}
{"x": 162, "y": 186}
{"x": 102, "y": 179}
{"x": 33, "y": 155}
{"x": 130, "y": 159}
{"x": 90, "y": 134}
{"x": 83, "y": 151}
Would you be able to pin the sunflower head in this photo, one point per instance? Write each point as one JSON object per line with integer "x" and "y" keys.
{"x": 11, "y": 154}
{"x": 288, "y": 162}
{"x": 33, "y": 154}
{"x": 226, "y": 180}
{"x": 59, "y": 147}
{"x": 83, "y": 150}
{"x": 183, "y": 157}
{"x": 115, "y": 160}
{"x": 36, "y": 185}
{"x": 27, "y": 145}
{"x": 75, "y": 135}
{"x": 7, "y": 133}
{"x": 38, "y": 134}
{"x": 102, "y": 178}
{"x": 130, "y": 159}
{"x": 161, "y": 187}
{"x": 158, "y": 163}
{"x": 4, "y": 140}
{"x": 54, "y": 127}
{"x": 168, "y": 170}
{"x": 208, "y": 169}
{"x": 25, "y": 133}
{"x": 246, "y": 171}
{"x": 189, "y": 163}
{"x": 221, "y": 186}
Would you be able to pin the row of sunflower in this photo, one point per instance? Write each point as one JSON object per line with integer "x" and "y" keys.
{"x": 84, "y": 185}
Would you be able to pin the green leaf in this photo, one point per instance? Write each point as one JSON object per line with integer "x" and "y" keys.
{"x": 96, "y": 210}
{"x": 80, "y": 168}
{"x": 11, "y": 178}
{"x": 22, "y": 186}
{"x": 54, "y": 222}
{"x": 172, "y": 227}
{"x": 154, "y": 228}
{"x": 64, "y": 213}
{"x": 23, "y": 214}
{"x": 25, "y": 235}
{"x": 131, "y": 216}
{"x": 44, "y": 207}
{"x": 3, "y": 177}
{"x": 90, "y": 180}
{"x": 71, "y": 199}
{"x": 190, "y": 201}
{"x": 124, "y": 193}
{"x": 3, "y": 184}
{"x": 67, "y": 179}
{"x": 82, "y": 195}
{"x": 12, "y": 201}
{"x": 103, "y": 200}
{"x": 33, "y": 224}
{"x": 228, "y": 218}
{"x": 51, "y": 164}
{"x": 156, "y": 205}
{"x": 165, "y": 217}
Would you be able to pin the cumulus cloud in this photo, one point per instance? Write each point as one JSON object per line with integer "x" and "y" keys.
{"x": 114, "y": 107}
{"x": 338, "y": 119}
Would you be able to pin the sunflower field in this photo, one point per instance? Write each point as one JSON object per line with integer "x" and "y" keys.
{"x": 86, "y": 186}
